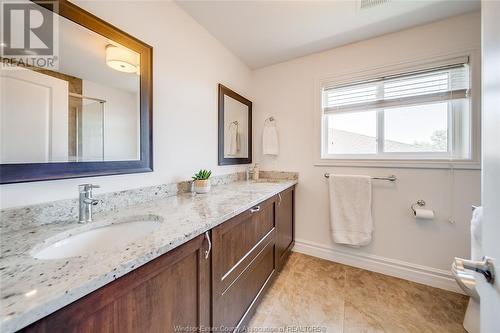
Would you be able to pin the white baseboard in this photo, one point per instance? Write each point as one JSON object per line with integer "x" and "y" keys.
{"x": 433, "y": 277}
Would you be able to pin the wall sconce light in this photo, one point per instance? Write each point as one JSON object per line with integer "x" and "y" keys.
{"x": 121, "y": 59}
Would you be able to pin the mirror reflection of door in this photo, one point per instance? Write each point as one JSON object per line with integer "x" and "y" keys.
{"x": 33, "y": 117}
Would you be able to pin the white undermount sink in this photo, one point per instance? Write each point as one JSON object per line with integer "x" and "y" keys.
{"x": 98, "y": 239}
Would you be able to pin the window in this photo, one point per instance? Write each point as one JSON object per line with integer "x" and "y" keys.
{"x": 422, "y": 114}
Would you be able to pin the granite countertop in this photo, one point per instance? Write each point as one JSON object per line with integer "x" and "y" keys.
{"x": 33, "y": 288}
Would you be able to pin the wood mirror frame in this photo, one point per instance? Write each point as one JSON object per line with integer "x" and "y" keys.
{"x": 28, "y": 172}
{"x": 224, "y": 91}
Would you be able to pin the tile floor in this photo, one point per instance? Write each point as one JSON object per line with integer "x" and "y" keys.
{"x": 312, "y": 293}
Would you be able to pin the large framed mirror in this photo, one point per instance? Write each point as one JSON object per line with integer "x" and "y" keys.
{"x": 235, "y": 128}
{"x": 91, "y": 115}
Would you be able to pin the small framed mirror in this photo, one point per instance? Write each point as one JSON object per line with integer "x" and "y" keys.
{"x": 88, "y": 115}
{"x": 235, "y": 128}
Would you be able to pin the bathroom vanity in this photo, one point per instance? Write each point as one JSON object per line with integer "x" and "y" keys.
{"x": 247, "y": 251}
{"x": 213, "y": 276}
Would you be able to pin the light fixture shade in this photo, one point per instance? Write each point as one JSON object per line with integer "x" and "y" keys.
{"x": 121, "y": 59}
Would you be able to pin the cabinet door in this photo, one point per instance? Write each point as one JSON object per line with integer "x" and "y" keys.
{"x": 168, "y": 292}
{"x": 285, "y": 230}
{"x": 243, "y": 264}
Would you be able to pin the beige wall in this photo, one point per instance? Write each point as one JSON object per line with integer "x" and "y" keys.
{"x": 287, "y": 92}
{"x": 188, "y": 64}
{"x": 121, "y": 121}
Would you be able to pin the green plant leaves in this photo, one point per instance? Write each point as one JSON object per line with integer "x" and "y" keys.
{"x": 202, "y": 175}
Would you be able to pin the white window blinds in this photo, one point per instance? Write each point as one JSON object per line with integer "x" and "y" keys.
{"x": 419, "y": 87}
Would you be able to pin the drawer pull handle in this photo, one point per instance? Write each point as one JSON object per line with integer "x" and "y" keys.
{"x": 279, "y": 197}
{"x": 207, "y": 252}
{"x": 255, "y": 209}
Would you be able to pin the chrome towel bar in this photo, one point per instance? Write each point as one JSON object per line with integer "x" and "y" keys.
{"x": 391, "y": 178}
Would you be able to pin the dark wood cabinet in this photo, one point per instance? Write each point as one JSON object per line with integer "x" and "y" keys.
{"x": 184, "y": 289}
{"x": 285, "y": 228}
{"x": 242, "y": 264}
{"x": 172, "y": 290}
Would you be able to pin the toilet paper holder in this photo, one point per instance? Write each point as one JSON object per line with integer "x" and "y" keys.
{"x": 420, "y": 203}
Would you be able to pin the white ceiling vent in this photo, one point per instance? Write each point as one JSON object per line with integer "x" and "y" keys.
{"x": 368, "y": 4}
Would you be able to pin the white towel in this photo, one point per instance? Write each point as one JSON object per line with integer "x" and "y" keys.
{"x": 475, "y": 231}
{"x": 350, "y": 209}
{"x": 270, "y": 144}
{"x": 234, "y": 144}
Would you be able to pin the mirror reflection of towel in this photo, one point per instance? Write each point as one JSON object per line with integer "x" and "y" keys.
{"x": 270, "y": 144}
{"x": 234, "y": 139}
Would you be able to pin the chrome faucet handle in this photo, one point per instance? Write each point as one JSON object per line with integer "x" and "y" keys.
{"x": 87, "y": 187}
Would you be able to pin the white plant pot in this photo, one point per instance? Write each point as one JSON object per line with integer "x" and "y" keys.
{"x": 202, "y": 186}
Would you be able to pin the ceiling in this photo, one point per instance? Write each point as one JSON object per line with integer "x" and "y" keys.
{"x": 82, "y": 53}
{"x": 263, "y": 33}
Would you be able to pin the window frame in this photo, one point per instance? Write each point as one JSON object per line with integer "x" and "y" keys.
{"x": 398, "y": 159}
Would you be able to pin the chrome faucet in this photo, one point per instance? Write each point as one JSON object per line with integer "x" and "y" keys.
{"x": 86, "y": 202}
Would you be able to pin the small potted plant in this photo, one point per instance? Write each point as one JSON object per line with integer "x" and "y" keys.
{"x": 201, "y": 181}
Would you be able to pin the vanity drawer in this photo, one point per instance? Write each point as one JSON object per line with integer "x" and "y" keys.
{"x": 234, "y": 306}
{"x": 236, "y": 241}
{"x": 243, "y": 260}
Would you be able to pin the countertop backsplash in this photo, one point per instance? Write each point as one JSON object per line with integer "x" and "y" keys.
{"x": 17, "y": 218}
